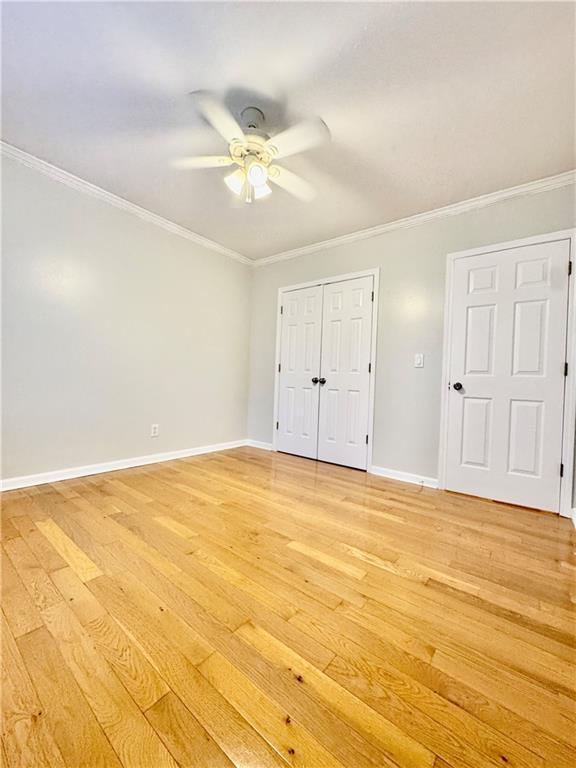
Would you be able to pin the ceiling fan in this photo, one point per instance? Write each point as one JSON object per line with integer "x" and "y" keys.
{"x": 254, "y": 152}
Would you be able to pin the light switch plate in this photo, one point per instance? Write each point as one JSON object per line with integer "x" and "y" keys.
{"x": 419, "y": 360}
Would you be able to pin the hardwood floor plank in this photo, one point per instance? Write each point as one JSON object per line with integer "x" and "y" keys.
{"x": 328, "y": 560}
{"x": 262, "y": 594}
{"x": 158, "y": 616}
{"x": 8, "y": 529}
{"x": 33, "y": 576}
{"x": 256, "y": 610}
{"x": 69, "y": 551}
{"x": 289, "y": 692}
{"x": 223, "y": 611}
{"x": 394, "y": 743}
{"x": 281, "y": 729}
{"x": 173, "y": 525}
{"x": 132, "y": 668}
{"x": 77, "y": 595}
{"x": 26, "y": 737}
{"x": 200, "y": 593}
{"x": 133, "y": 739}
{"x": 191, "y": 745}
{"x": 247, "y": 541}
{"x": 129, "y": 663}
{"x": 44, "y": 551}
{"x": 442, "y": 727}
{"x": 513, "y": 692}
{"x": 235, "y": 737}
{"x": 73, "y": 724}
{"x": 17, "y": 605}
{"x": 471, "y": 638}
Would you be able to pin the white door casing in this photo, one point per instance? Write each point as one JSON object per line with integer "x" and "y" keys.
{"x": 345, "y": 362}
{"x": 508, "y": 326}
{"x": 301, "y": 328}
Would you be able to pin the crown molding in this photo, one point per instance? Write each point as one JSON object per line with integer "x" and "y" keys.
{"x": 474, "y": 203}
{"x": 58, "y": 174}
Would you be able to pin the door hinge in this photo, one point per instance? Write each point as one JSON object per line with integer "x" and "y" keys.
{"x": 569, "y": 268}
{"x": 366, "y": 439}
{"x": 369, "y": 367}
{"x": 281, "y": 310}
{"x": 561, "y": 470}
{"x": 372, "y": 295}
{"x": 277, "y": 424}
{"x": 279, "y": 367}
{"x": 565, "y": 369}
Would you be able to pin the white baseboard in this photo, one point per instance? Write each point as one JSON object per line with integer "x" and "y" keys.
{"x": 25, "y": 481}
{"x": 11, "y": 483}
{"x": 404, "y": 477}
{"x": 258, "y": 444}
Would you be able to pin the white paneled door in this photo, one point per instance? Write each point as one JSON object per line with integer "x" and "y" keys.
{"x": 507, "y": 374}
{"x": 345, "y": 376}
{"x": 324, "y": 377}
{"x": 297, "y": 428}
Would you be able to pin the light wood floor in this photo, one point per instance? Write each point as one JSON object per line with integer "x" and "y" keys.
{"x": 252, "y": 609}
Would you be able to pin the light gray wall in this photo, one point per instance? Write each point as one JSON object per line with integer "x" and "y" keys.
{"x": 111, "y": 324}
{"x": 412, "y": 272}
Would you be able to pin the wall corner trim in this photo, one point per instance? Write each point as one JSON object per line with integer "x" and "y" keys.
{"x": 530, "y": 188}
{"x": 403, "y": 477}
{"x": 58, "y": 174}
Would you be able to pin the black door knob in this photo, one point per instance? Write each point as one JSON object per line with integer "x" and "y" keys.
{"x": 322, "y": 381}
{"x": 457, "y": 386}
{"x": 315, "y": 380}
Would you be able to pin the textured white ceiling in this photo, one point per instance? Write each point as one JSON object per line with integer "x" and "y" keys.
{"x": 428, "y": 103}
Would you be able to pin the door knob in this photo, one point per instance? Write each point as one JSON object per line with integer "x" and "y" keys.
{"x": 315, "y": 380}
{"x": 457, "y": 386}
{"x": 322, "y": 381}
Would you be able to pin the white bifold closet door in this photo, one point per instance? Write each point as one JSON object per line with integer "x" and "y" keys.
{"x": 325, "y": 372}
{"x": 507, "y": 366}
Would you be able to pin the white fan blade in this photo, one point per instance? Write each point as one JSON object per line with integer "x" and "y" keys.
{"x": 204, "y": 161}
{"x": 300, "y": 137}
{"x": 292, "y": 183}
{"x": 219, "y": 117}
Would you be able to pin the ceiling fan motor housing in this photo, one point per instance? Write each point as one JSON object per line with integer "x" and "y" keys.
{"x": 252, "y": 118}
{"x": 253, "y": 144}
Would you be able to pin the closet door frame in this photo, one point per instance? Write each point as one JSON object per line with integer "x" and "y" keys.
{"x": 375, "y": 273}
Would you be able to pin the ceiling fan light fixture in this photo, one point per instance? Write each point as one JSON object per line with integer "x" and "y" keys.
{"x": 239, "y": 183}
{"x": 235, "y": 181}
{"x": 262, "y": 191}
{"x": 257, "y": 173}
{"x": 254, "y": 152}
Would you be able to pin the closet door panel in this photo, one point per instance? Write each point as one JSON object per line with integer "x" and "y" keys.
{"x": 344, "y": 369}
{"x": 297, "y": 430}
